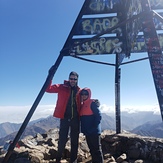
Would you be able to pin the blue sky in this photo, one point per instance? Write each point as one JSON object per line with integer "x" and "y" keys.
{"x": 32, "y": 33}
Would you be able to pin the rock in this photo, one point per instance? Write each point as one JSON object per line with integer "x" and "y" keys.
{"x": 117, "y": 148}
{"x": 121, "y": 158}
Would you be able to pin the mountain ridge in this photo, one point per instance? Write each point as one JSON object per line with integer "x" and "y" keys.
{"x": 132, "y": 122}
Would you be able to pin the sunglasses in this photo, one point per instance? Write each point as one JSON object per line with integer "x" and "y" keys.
{"x": 73, "y": 79}
{"x": 84, "y": 94}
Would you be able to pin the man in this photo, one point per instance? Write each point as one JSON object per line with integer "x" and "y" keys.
{"x": 67, "y": 109}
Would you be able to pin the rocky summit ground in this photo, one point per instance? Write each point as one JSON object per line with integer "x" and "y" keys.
{"x": 117, "y": 148}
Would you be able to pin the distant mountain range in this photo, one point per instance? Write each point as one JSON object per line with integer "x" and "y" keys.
{"x": 142, "y": 123}
{"x": 38, "y": 126}
{"x": 152, "y": 129}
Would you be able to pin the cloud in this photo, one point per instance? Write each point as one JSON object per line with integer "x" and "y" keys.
{"x": 131, "y": 109}
{"x": 17, "y": 114}
{"x": 105, "y": 109}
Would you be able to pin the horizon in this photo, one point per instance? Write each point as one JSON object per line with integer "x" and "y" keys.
{"x": 29, "y": 45}
{"x": 18, "y": 113}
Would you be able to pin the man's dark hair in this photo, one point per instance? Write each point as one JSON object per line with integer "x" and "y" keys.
{"x": 73, "y": 73}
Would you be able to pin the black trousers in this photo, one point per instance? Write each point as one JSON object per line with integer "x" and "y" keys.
{"x": 67, "y": 125}
{"x": 94, "y": 144}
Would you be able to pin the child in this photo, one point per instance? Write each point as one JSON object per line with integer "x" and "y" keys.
{"x": 90, "y": 117}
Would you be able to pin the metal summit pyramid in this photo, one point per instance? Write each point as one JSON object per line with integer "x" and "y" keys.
{"x": 113, "y": 27}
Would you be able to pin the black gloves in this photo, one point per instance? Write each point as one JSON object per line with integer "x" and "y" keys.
{"x": 97, "y": 102}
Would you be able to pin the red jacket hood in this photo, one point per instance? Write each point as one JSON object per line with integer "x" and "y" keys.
{"x": 89, "y": 92}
